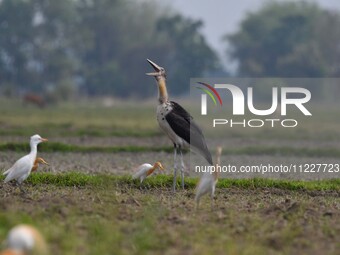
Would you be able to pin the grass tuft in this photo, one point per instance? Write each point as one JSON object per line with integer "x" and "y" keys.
{"x": 62, "y": 147}
{"x": 285, "y": 151}
{"x": 274, "y": 151}
{"x": 72, "y": 179}
{"x": 69, "y": 179}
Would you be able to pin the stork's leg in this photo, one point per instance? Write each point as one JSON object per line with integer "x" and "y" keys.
{"x": 182, "y": 167}
{"x": 175, "y": 168}
{"x": 212, "y": 198}
{"x": 197, "y": 204}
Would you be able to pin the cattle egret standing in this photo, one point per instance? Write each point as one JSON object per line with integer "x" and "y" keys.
{"x": 25, "y": 239}
{"x": 11, "y": 252}
{"x": 37, "y": 162}
{"x": 145, "y": 170}
{"x": 22, "y": 168}
{"x": 178, "y": 124}
{"x": 208, "y": 181}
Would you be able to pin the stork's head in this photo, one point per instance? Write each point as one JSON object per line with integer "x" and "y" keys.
{"x": 36, "y": 139}
{"x": 159, "y": 165}
{"x": 159, "y": 71}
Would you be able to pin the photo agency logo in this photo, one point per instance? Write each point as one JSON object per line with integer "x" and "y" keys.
{"x": 284, "y": 100}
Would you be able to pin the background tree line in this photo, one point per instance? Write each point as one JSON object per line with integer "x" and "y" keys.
{"x": 289, "y": 39}
{"x": 99, "y": 47}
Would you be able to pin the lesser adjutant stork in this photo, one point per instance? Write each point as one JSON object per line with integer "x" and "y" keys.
{"x": 177, "y": 123}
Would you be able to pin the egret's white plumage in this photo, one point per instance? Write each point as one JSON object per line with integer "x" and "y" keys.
{"x": 145, "y": 170}
{"x": 208, "y": 181}
{"x": 206, "y": 185}
{"x": 25, "y": 239}
{"x": 22, "y": 168}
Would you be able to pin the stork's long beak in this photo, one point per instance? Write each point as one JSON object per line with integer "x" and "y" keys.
{"x": 44, "y": 139}
{"x": 155, "y": 66}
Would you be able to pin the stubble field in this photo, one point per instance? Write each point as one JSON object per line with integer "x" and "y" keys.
{"x": 86, "y": 203}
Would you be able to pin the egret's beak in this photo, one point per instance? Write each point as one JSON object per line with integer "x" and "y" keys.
{"x": 43, "y": 140}
{"x": 155, "y": 66}
{"x": 44, "y": 162}
{"x": 161, "y": 167}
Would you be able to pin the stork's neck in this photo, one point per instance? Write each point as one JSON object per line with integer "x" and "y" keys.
{"x": 162, "y": 91}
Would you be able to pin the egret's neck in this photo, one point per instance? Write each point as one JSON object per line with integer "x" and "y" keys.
{"x": 151, "y": 170}
{"x": 34, "y": 149}
{"x": 162, "y": 91}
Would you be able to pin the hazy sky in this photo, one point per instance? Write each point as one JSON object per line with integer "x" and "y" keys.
{"x": 223, "y": 16}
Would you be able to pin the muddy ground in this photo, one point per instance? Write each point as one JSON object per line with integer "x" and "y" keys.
{"x": 121, "y": 219}
{"x": 125, "y": 220}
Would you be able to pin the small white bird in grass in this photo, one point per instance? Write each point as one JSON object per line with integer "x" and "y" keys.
{"x": 11, "y": 252}
{"x": 24, "y": 240}
{"x": 37, "y": 162}
{"x": 208, "y": 181}
{"x": 145, "y": 170}
{"x": 22, "y": 168}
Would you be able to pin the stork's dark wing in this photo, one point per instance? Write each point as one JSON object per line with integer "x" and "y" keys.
{"x": 185, "y": 127}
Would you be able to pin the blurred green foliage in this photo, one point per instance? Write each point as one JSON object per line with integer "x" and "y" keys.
{"x": 66, "y": 47}
{"x": 97, "y": 47}
{"x": 288, "y": 39}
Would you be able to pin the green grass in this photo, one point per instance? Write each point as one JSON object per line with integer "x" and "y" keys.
{"x": 61, "y": 147}
{"x": 128, "y": 118}
{"x": 71, "y": 131}
{"x": 249, "y": 150}
{"x": 81, "y": 213}
{"x": 161, "y": 181}
{"x": 284, "y": 151}
{"x": 82, "y": 119}
{"x": 107, "y": 214}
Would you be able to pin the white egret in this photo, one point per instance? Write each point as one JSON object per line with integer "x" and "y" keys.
{"x": 207, "y": 183}
{"x": 37, "y": 162}
{"x": 24, "y": 240}
{"x": 145, "y": 170}
{"x": 23, "y": 167}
